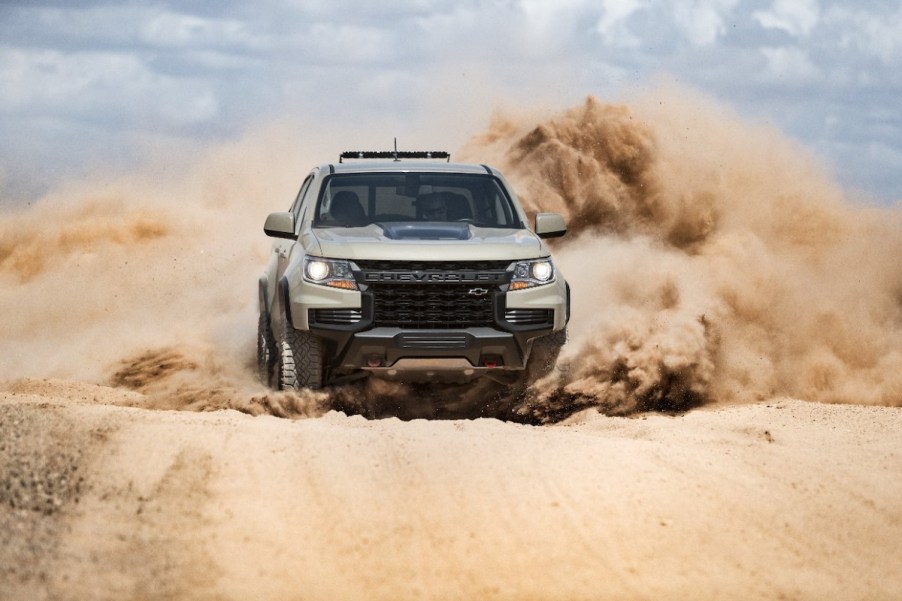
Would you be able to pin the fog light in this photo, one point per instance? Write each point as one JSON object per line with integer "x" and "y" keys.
{"x": 374, "y": 361}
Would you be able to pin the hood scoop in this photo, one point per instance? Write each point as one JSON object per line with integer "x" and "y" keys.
{"x": 430, "y": 230}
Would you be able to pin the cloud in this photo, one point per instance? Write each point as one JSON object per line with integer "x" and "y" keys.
{"x": 614, "y": 22}
{"x": 92, "y": 85}
{"x": 348, "y": 43}
{"x": 790, "y": 65}
{"x": 702, "y": 22}
{"x": 876, "y": 34}
{"x": 795, "y": 17}
{"x": 205, "y": 70}
{"x": 170, "y": 29}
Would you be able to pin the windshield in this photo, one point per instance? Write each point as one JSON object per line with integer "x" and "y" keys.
{"x": 358, "y": 199}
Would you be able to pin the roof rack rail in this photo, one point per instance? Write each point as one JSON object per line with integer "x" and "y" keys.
{"x": 395, "y": 154}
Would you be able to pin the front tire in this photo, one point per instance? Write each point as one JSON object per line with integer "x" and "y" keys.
{"x": 300, "y": 360}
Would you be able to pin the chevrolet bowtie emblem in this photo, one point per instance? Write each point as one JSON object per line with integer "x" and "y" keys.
{"x": 478, "y": 291}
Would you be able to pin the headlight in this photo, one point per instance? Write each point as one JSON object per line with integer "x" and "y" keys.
{"x": 528, "y": 274}
{"x": 335, "y": 273}
{"x": 317, "y": 270}
{"x": 542, "y": 271}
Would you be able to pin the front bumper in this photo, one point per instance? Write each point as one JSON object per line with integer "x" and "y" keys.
{"x": 396, "y": 351}
{"x": 354, "y": 339}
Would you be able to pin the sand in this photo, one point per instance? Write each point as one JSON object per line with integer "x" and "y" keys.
{"x": 784, "y": 499}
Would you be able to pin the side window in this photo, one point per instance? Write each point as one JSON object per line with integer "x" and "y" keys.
{"x": 299, "y": 201}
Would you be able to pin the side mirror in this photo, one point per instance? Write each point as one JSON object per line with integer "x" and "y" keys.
{"x": 550, "y": 225}
{"x": 280, "y": 225}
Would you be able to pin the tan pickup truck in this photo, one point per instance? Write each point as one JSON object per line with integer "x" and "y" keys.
{"x": 403, "y": 265}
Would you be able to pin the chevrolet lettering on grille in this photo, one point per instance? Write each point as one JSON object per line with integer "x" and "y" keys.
{"x": 417, "y": 277}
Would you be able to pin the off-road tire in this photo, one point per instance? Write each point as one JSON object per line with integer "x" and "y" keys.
{"x": 266, "y": 350}
{"x": 300, "y": 360}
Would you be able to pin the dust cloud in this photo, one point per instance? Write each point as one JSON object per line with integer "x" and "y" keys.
{"x": 711, "y": 260}
{"x": 148, "y": 281}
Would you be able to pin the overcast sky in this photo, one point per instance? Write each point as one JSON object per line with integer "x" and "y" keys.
{"x": 84, "y": 84}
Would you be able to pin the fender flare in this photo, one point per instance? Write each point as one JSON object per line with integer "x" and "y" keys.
{"x": 286, "y": 300}
{"x": 568, "y": 303}
{"x": 263, "y": 297}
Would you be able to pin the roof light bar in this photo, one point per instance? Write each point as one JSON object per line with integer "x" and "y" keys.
{"x": 390, "y": 154}
{"x": 395, "y": 154}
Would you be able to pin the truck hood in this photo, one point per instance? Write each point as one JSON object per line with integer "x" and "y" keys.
{"x": 406, "y": 241}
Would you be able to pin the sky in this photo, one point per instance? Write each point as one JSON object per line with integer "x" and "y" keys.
{"x": 91, "y": 86}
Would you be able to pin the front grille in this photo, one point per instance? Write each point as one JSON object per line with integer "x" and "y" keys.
{"x": 432, "y": 306}
{"x": 336, "y": 317}
{"x": 529, "y": 317}
{"x": 434, "y": 294}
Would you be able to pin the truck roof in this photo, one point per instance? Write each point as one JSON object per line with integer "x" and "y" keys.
{"x": 368, "y": 166}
